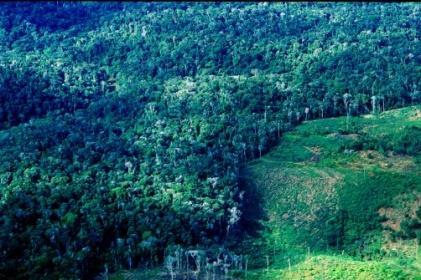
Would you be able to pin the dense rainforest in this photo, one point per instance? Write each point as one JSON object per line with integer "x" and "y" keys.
{"x": 124, "y": 127}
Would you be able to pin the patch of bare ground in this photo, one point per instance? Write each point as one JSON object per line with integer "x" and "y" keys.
{"x": 393, "y": 222}
{"x": 393, "y": 161}
{"x": 316, "y": 193}
{"x": 315, "y": 151}
{"x": 352, "y": 136}
{"x": 368, "y": 128}
{"x": 416, "y": 116}
{"x": 307, "y": 191}
{"x": 319, "y": 192}
{"x": 409, "y": 204}
{"x": 407, "y": 247}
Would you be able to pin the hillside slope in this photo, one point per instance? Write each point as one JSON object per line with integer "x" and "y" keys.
{"x": 332, "y": 190}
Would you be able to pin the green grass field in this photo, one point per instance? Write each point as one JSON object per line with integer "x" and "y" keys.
{"x": 340, "y": 200}
{"x": 337, "y": 267}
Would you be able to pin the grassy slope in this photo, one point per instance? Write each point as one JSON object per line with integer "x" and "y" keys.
{"x": 324, "y": 180}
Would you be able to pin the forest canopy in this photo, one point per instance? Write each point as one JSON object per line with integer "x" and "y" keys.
{"x": 123, "y": 126}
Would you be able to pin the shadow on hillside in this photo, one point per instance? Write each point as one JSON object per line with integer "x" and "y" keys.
{"x": 252, "y": 230}
{"x": 252, "y": 209}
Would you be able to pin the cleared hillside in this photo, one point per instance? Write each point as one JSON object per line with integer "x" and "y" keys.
{"x": 341, "y": 203}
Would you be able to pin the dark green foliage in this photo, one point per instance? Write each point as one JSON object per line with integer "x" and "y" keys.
{"x": 26, "y": 95}
{"x": 123, "y": 126}
{"x": 407, "y": 141}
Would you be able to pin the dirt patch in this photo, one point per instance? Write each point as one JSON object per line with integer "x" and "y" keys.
{"x": 318, "y": 193}
{"x": 367, "y": 128}
{"x": 370, "y": 156}
{"x": 407, "y": 247}
{"x": 392, "y": 161}
{"x": 393, "y": 222}
{"x": 314, "y": 150}
{"x": 409, "y": 205}
{"x": 300, "y": 195}
{"x": 352, "y": 136}
{"x": 416, "y": 116}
